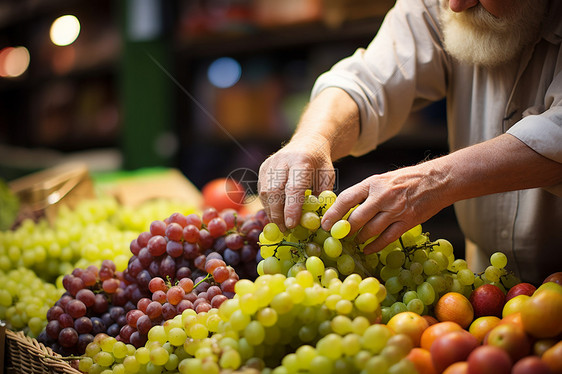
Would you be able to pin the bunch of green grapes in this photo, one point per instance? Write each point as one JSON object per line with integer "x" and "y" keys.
{"x": 275, "y": 321}
{"x": 77, "y": 238}
{"x": 308, "y": 246}
{"x": 95, "y": 230}
{"x": 417, "y": 272}
{"x": 139, "y": 217}
{"x": 25, "y": 307}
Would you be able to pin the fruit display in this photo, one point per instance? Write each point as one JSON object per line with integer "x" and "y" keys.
{"x": 43, "y": 253}
{"x": 220, "y": 291}
{"x": 176, "y": 265}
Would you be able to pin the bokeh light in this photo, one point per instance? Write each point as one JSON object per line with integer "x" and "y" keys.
{"x": 14, "y": 61}
{"x": 224, "y": 72}
{"x": 65, "y": 30}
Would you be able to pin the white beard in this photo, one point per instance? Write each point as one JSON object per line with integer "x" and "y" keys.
{"x": 477, "y": 37}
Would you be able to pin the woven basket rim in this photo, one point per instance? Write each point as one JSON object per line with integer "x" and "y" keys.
{"x": 23, "y": 345}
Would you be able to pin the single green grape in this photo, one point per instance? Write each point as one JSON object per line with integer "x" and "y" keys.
{"x": 272, "y": 233}
{"x": 426, "y": 293}
{"x": 369, "y": 284}
{"x": 498, "y": 260}
{"x": 340, "y": 229}
{"x": 326, "y": 199}
{"x": 330, "y": 346}
{"x": 395, "y": 259}
{"x": 310, "y": 204}
{"x": 332, "y": 247}
{"x": 393, "y": 285}
{"x": 465, "y": 277}
{"x": 315, "y": 266}
{"x": 430, "y": 267}
{"x": 492, "y": 273}
{"x": 366, "y": 302}
{"x": 398, "y": 307}
{"x": 254, "y": 333}
{"x": 310, "y": 220}
{"x": 248, "y": 303}
{"x": 345, "y": 264}
{"x": 416, "y": 306}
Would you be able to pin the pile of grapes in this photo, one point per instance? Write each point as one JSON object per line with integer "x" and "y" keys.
{"x": 178, "y": 264}
{"x": 192, "y": 303}
{"x": 95, "y": 230}
{"x": 415, "y": 270}
{"x": 218, "y": 291}
{"x": 286, "y": 323}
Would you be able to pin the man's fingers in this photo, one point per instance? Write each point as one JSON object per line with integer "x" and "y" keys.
{"x": 345, "y": 201}
{"x": 370, "y": 226}
{"x": 271, "y": 185}
{"x": 390, "y": 234}
{"x": 298, "y": 181}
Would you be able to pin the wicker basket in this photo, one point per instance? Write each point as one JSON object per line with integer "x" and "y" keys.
{"x": 26, "y": 355}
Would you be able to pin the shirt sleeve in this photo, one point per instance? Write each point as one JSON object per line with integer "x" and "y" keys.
{"x": 402, "y": 69}
{"x": 543, "y": 132}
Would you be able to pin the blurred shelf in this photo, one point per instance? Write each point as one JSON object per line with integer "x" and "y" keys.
{"x": 259, "y": 40}
{"x": 13, "y": 12}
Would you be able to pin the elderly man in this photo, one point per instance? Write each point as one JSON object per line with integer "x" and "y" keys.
{"x": 498, "y": 63}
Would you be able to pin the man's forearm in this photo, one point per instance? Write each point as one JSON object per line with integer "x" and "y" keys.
{"x": 330, "y": 120}
{"x": 497, "y": 165}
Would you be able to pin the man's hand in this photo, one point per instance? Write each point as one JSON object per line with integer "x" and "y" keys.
{"x": 286, "y": 175}
{"x": 389, "y": 204}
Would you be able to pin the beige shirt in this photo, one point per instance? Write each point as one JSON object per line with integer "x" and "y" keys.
{"x": 405, "y": 67}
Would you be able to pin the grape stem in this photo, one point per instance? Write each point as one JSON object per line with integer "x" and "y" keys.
{"x": 202, "y": 280}
{"x": 284, "y": 242}
{"x": 299, "y": 246}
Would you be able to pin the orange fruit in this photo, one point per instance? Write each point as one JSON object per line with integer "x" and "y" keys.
{"x": 421, "y": 358}
{"x": 408, "y": 323}
{"x": 541, "y": 314}
{"x": 553, "y": 358}
{"x": 434, "y": 331}
{"x": 455, "y": 307}
{"x": 482, "y": 325}
{"x": 459, "y": 367}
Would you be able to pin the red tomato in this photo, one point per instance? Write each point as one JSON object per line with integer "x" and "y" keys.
{"x": 223, "y": 193}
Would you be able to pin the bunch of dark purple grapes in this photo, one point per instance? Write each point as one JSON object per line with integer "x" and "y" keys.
{"x": 188, "y": 262}
{"x": 95, "y": 301}
{"x": 177, "y": 248}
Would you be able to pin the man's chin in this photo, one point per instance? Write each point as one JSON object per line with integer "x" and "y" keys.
{"x": 476, "y": 37}
{"x": 485, "y": 51}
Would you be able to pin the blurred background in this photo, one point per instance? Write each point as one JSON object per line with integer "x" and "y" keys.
{"x": 203, "y": 86}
